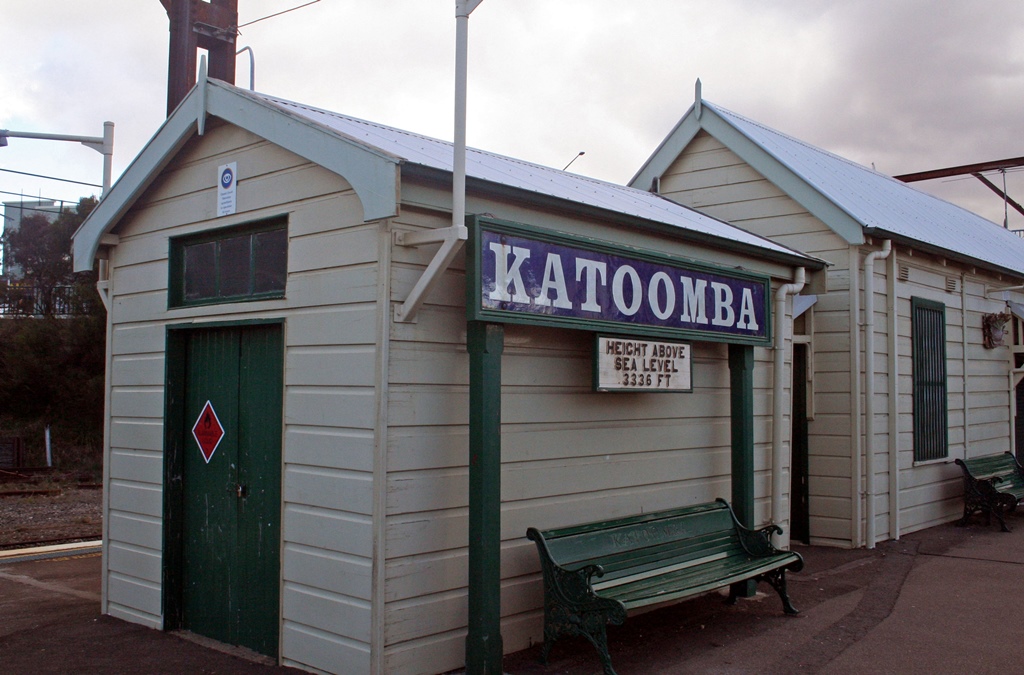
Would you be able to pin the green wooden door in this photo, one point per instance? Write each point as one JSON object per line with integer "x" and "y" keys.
{"x": 232, "y": 485}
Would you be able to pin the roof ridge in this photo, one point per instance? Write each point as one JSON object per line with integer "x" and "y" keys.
{"x": 879, "y": 203}
{"x": 832, "y": 155}
{"x": 798, "y": 141}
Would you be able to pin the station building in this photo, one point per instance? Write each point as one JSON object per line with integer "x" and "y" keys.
{"x": 911, "y": 354}
{"x": 327, "y": 404}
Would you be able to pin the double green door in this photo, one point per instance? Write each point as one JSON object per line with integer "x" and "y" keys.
{"x": 231, "y": 485}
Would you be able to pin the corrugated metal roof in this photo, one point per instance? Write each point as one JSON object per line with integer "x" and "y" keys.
{"x": 881, "y": 202}
{"x": 501, "y": 170}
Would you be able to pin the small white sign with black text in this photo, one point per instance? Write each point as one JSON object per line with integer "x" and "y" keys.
{"x": 227, "y": 181}
{"x": 630, "y": 364}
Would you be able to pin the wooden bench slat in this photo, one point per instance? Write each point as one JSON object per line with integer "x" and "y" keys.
{"x": 683, "y": 511}
{"x": 638, "y": 576}
{"x": 690, "y": 582}
{"x": 596, "y": 544}
{"x": 669, "y": 553}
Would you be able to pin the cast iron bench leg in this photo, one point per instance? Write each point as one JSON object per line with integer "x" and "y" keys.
{"x": 777, "y": 579}
{"x": 592, "y": 625}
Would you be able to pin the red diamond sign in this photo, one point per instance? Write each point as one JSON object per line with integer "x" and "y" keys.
{"x": 208, "y": 432}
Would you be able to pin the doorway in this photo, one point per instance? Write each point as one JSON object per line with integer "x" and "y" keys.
{"x": 223, "y": 510}
{"x": 799, "y": 516}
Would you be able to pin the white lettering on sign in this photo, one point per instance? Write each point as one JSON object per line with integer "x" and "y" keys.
{"x": 554, "y": 280}
{"x": 521, "y": 275}
{"x": 642, "y": 365}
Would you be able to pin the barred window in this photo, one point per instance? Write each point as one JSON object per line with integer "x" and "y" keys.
{"x": 931, "y": 419}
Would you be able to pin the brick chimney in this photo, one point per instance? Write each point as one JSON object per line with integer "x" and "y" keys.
{"x": 195, "y": 25}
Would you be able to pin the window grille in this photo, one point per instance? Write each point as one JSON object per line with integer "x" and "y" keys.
{"x": 931, "y": 419}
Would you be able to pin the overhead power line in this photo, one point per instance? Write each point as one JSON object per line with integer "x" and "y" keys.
{"x": 270, "y": 16}
{"x": 33, "y": 197}
{"x": 65, "y": 180}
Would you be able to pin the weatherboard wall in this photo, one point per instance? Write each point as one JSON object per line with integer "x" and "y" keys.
{"x": 569, "y": 454}
{"x": 374, "y": 519}
{"x": 710, "y": 177}
{"x": 330, "y": 313}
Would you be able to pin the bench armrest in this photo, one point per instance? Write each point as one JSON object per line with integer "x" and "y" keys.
{"x": 572, "y": 587}
{"x": 757, "y": 542}
{"x": 978, "y": 488}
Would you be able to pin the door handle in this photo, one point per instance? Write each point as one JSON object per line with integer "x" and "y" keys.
{"x": 239, "y": 490}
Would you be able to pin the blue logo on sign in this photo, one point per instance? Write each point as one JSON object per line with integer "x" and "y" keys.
{"x": 226, "y": 178}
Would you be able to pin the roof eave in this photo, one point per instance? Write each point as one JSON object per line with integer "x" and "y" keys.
{"x": 941, "y": 252}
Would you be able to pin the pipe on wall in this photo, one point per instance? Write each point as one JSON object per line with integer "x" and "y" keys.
{"x": 779, "y": 455}
{"x": 869, "y": 385}
{"x": 894, "y": 380}
{"x": 856, "y": 425}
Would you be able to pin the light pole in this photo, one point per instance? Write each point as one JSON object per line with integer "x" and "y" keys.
{"x": 102, "y": 144}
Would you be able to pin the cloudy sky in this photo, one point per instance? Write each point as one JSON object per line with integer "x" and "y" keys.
{"x": 906, "y": 85}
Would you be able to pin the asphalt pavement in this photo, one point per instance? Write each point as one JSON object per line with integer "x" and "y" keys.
{"x": 942, "y": 600}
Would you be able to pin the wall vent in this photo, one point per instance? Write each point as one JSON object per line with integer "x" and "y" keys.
{"x": 952, "y": 284}
{"x": 904, "y": 273}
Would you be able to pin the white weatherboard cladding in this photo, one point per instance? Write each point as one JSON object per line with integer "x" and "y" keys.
{"x": 400, "y": 541}
{"x": 710, "y": 176}
{"x": 328, "y": 438}
{"x": 568, "y": 453}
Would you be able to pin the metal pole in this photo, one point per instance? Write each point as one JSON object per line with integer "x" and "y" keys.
{"x": 485, "y": 343}
{"x": 102, "y": 144}
{"x": 741, "y": 396}
{"x": 108, "y": 156}
{"x": 252, "y": 66}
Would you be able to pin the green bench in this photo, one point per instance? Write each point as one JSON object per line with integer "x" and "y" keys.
{"x": 594, "y": 573}
{"x": 992, "y": 484}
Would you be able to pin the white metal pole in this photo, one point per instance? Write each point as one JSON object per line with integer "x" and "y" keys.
{"x": 102, "y": 144}
{"x": 779, "y": 456}
{"x": 463, "y": 8}
{"x": 869, "y": 387}
{"x": 108, "y": 156}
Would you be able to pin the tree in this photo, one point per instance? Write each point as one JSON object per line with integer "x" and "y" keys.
{"x": 52, "y": 356}
{"x": 41, "y": 251}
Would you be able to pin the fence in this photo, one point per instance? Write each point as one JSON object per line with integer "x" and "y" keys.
{"x": 60, "y": 301}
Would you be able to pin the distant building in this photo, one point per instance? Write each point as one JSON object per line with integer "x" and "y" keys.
{"x": 14, "y": 214}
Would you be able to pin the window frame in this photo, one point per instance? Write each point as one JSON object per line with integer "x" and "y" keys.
{"x": 176, "y": 263}
{"x": 929, "y": 376}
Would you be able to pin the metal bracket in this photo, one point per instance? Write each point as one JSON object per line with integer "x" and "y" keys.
{"x": 451, "y": 240}
{"x": 466, "y": 7}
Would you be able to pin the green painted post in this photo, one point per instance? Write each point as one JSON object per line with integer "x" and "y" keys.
{"x": 741, "y": 397}
{"x": 485, "y": 342}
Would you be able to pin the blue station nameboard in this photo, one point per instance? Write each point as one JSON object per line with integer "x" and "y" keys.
{"x": 521, "y": 274}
